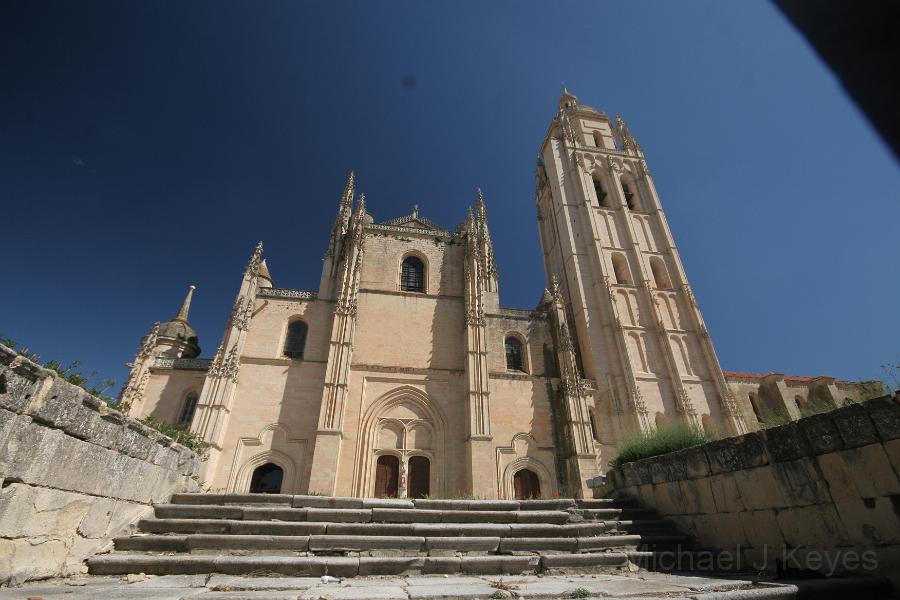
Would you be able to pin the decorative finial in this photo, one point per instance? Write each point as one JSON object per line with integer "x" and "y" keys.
{"x": 253, "y": 266}
{"x": 479, "y": 205}
{"x": 186, "y": 305}
{"x": 349, "y": 189}
{"x": 415, "y": 212}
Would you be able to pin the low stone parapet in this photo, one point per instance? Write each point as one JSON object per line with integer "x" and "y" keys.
{"x": 74, "y": 472}
{"x": 820, "y": 494}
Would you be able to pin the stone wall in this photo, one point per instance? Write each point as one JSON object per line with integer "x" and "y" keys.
{"x": 73, "y": 472}
{"x": 820, "y": 493}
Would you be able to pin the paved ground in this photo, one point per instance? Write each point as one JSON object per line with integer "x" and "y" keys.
{"x": 222, "y": 587}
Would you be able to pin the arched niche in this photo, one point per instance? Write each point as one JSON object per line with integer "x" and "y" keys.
{"x": 406, "y": 423}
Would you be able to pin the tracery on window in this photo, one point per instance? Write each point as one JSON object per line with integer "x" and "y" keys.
{"x": 412, "y": 275}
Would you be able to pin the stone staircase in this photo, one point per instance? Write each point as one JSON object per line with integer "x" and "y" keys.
{"x": 280, "y": 534}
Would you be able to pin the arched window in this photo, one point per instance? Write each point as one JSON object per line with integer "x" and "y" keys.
{"x": 267, "y": 479}
{"x": 660, "y": 274}
{"x": 598, "y": 139}
{"x": 514, "y": 355}
{"x": 620, "y": 268}
{"x": 595, "y": 432}
{"x": 295, "y": 341}
{"x": 598, "y": 189}
{"x": 412, "y": 275}
{"x": 801, "y": 405}
{"x": 187, "y": 411}
{"x": 629, "y": 189}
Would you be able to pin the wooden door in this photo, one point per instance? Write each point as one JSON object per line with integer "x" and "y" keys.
{"x": 526, "y": 484}
{"x": 419, "y": 477}
{"x": 387, "y": 475}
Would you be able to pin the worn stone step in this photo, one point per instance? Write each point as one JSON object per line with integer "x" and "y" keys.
{"x": 366, "y": 515}
{"x": 342, "y": 543}
{"x": 230, "y": 526}
{"x": 338, "y": 566}
{"x": 614, "y": 514}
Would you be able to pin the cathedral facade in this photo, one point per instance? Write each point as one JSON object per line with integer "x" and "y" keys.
{"x": 402, "y": 375}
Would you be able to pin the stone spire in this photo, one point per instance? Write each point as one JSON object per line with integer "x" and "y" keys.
{"x": 265, "y": 278}
{"x": 185, "y": 306}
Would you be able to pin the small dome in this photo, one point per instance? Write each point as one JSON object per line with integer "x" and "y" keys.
{"x": 178, "y": 330}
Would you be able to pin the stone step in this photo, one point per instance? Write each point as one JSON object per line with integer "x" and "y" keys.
{"x": 614, "y": 514}
{"x": 301, "y": 528}
{"x": 364, "y": 543}
{"x": 307, "y": 501}
{"x": 119, "y": 564}
{"x": 346, "y": 515}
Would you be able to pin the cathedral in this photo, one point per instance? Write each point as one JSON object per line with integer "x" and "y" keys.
{"x": 402, "y": 375}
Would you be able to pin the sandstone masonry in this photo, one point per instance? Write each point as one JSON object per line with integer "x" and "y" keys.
{"x": 74, "y": 473}
{"x": 813, "y": 494}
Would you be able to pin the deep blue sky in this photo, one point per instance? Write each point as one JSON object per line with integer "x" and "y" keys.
{"x": 145, "y": 146}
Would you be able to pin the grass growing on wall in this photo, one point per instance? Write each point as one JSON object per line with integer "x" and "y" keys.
{"x": 661, "y": 441}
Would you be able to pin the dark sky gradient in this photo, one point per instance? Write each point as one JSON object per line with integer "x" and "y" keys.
{"x": 147, "y": 145}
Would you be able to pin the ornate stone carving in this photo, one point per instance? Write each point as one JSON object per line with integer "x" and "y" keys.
{"x": 565, "y": 338}
{"x": 637, "y": 400}
{"x": 231, "y": 365}
{"x": 253, "y": 266}
{"x": 187, "y": 364}
{"x": 555, "y": 288}
{"x": 286, "y": 294}
{"x": 475, "y": 317}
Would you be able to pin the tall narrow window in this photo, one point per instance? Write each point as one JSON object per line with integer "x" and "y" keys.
{"x": 598, "y": 189}
{"x": 514, "y": 360}
{"x": 295, "y": 342}
{"x": 187, "y": 411}
{"x": 412, "y": 275}
{"x": 754, "y": 404}
{"x": 598, "y": 139}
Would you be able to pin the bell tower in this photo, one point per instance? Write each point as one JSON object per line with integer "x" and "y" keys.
{"x": 638, "y": 334}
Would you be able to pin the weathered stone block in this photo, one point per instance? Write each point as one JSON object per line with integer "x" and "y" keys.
{"x": 642, "y": 470}
{"x": 855, "y": 426}
{"x": 761, "y": 530}
{"x": 18, "y": 386}
{"x": 57, "y": 406}
{"x": 870, "y": 521}
{"x": 759, "y": 489}
{"x": 816, "y": 526}
{"x": 401, "y": 515}
{"x": 885, "y": 415}
{"x": 726, "y": 495}
{"x": 135, "y": 441}
{"x": 720, "y": 530}
{"x": 871, "y": 471}
{"x": 821, "y": 433}
{"x": 801, "y": 483}
{"x": 734, "y": 454}
{"x": 786, "y": 443}
{"x": 630, "y": 475}
{"x": 463, "y": 544}
{"x": 110, "y": 429}
{"x": 837, "y": 477}
{"x": 695, "y": 462}
{"x": 697, "y": 496}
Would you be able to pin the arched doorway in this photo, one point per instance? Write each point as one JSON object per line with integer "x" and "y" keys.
{"x": 387, "y": 476}
{"x": 267, "y": 479}
{"x": 419, "y": 477}
{"x": 526, "y": 485}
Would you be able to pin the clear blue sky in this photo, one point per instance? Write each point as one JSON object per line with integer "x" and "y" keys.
{"x": 145, "y": 146}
